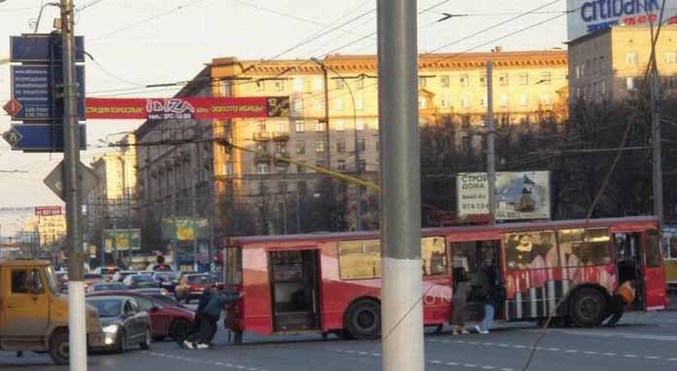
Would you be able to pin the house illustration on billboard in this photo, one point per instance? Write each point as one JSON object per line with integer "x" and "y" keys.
{"x": 521, "y": 194}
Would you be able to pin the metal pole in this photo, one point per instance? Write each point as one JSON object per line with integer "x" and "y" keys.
{"x": 491, "y": 150}
{"x": 194, "y": 198}
{"x": 657, "y": 160}
{"x": 326, "y": 112}
{"x": 402, "y": 309}
{"x": 76, "y": 289}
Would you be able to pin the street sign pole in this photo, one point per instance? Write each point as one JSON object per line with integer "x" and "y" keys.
{"x": 76, "y": 290}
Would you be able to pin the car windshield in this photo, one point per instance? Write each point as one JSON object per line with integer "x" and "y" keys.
{"x": 107, "y": 307}
{"x": 142, "y": 278}
{"x": 165, "y": 276}
{"x": 110, "y": 287}
{"x": 92, "y": 276}
{"x": 203, "y": 279}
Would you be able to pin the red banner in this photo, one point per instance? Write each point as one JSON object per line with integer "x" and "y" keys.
{"x": 47, "y": 210}
{"x": 186, "y": 108}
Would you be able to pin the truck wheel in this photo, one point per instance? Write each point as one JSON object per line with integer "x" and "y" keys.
{"x": 145, "y": 344}
{"x": 179, "y": 330}
{"x": 363, "y": 320}
{"x": 58, "y": 348}
{"x": 587, "y": 307}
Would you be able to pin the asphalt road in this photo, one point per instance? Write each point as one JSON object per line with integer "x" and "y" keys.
{"x": 641, "y": 342}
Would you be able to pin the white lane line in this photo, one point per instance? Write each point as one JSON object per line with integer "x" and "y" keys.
{"x": 610, "y": 354}
{"x": 507, "y": 369}
{"x": 571, "y": 351}
{"x": 590, "y": 352}
{"x": 553, "y": 349}
{"x": 503, "y": 345}
{"x": 488, "y": 344}
{"x": 652, "y": 357}
{"x": 436, "y": 362}
{"x": 376, "y": 354}
{"x": 469, "y": 365}
{"x": 452, "y": 363}
{"x": 488, "y": 367}
{"x": 672, "y": 359}
{"x": 519, "y": 346}
{"x": 203, "y": 362}
{"x": 630, "y": 355}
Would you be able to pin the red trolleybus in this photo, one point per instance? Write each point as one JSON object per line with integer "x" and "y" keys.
{"x": 330, "y": 282}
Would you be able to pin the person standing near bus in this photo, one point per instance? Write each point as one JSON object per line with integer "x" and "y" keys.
{"x": 459, "y": 301}
{"x": 204, "y": 300}
{"x": 493, "y": 294}
{"x": 625, "y": 294}
{"x": 210, "y": 317}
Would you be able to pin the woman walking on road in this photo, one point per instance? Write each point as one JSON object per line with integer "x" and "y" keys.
{"x": 459, "y": 301}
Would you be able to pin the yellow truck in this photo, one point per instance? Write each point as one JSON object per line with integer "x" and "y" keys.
{"x": 34, "y": 315}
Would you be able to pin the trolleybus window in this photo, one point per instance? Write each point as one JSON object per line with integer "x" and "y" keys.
{"x": 653, "y": 254}
{"x": 233, "y": 266}
{"x": 534, "y": 249}
{"x": 359, "y": 259}
{"x": 579, "y": 247}
{"x": 434, "y": 256}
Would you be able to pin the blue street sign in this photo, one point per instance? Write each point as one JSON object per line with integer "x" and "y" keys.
{"x": 35, "y": 88}
{"x": 40, "y": 137}
{"x": 42, "y": 48}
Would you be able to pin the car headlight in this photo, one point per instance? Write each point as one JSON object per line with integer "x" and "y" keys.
{"x": 164, "y": 292}
{"x": 111, "y": 329}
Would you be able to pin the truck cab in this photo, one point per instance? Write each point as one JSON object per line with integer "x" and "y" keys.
{"x": 33, "y": 314}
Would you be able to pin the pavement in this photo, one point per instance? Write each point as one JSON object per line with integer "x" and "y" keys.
{"x": 641, "y": 341}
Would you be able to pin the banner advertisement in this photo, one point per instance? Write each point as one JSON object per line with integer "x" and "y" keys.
{"x": 588, "y": 16}
{"x": 185, "y": 229}
{"x": 519, "y": 195}
{"x": 121, "y": 240}
{"x": 48, "y": 210}
{"x": 219, "y": 108}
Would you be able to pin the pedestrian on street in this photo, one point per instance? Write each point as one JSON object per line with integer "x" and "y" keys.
{"x": 209, "y": 319}
{"x": 494, "y": 294}
{"x": 204, "y": 300}
{"x": 625, "y": 294}
{"x": 459, "y": 301}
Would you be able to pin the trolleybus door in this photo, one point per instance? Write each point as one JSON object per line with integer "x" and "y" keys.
{"x": 654, "y": 276}
{"x": 295, "y": 290}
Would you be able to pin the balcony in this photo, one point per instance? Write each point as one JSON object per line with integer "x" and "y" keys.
{"x": 281, "y": 158}
{"x": 261, "y": 136}
{"x": 281, "y": 135}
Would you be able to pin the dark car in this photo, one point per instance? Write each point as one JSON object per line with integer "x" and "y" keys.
{"x": 106, "y": 286}
{"x": 192, "y": 285}
{"x": 167, "y": 280}
{"x": 166, "y": 318}
{"x": 123, "y": 321}
{"x": 137, "y": 281}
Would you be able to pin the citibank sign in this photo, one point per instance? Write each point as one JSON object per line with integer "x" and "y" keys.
{"x": 588, "y": 16}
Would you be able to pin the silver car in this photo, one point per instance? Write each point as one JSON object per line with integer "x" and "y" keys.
{"x": 124, "y": 325}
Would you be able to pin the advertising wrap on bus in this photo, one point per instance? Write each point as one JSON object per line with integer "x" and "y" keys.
{"x": 519, "y": 195}
{"x": 589, "y": 16}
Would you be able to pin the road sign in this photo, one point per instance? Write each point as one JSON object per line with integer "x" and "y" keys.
{"x": 39, "y": 137}
{"x": 42, "y": 48}
{"x": 12, "y": 107}
{"x": 48, "y": 210}
{"x": 54, "y": 180}
{"x": 35, "y": 88}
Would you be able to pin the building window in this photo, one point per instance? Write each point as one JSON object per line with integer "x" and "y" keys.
{"x": 318, "y": 83}
{"x": 361, "y": 144}
{"x": 483, "y": 80}
{"x": 445, "y": 102}
{"x": 320, "y": 126}
{"x": 523, "y": 100}
{"x": 226, "y": 88}
{"x": 631, "y": 58}
{"x": 359, "y": 102}
{"x": 339, "y": 84}
{"x": 262, "y": 126}
{"x": 319, "y": 146}
{"x": 317, "y": 106}
{"x": 523, "y": 78}
{"x": 281, "y": 147}
{"x": 422, "y": 102}
{"x": 300, "y": 126}
{"x": 444, "y": 81}
{"x": 261, "y": 147}
{"x": 338, "y": 103}
{"x": 671, "y": 57}
{"x": 320, "y": 163}
{"x": 503, "y": 101}
{"x": 464, "y": 80}
{"x": 341, "y": 165}
{"x": 298, "y": 84}
{"x": 340, "y": 125}
{"x": 503, "y": 79}
{"x": 464, "y": 102}
{"x": 630, "y": 83}
{"x": 422, "y": 82}
{"x": 300, "y": 168}
{"x": 466, "y": 143}
{"x": 301, "y": 147}
{"x": 546, "y": 99}
{"x": 341, "y": 145}
{"x": 279, "y": 85}
{"x": 360, "y": 125}
{"x": 262, "y": 169}
{"x": 359, "y": 84}
{"x": 362, "y": 165}
{"x": 546, "y": 78}
{"x": 260, "y": 85}
{"x": 298, "y": 104}
{"x": 483, "y": 101}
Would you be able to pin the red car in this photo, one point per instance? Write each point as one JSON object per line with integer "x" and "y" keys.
{"x": 165, "y": 319}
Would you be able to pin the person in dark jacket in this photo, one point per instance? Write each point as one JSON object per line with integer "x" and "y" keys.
{"x": 494, "y": 294}
{"x": 209, "y": 318}
{"x": 204, "y": 300}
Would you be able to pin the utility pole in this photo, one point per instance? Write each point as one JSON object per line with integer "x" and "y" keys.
{"x": 196, "y": 165}
{"x": 491, "y": 150}
{"x": 402, "y": 308}
{"x": 656, "y": 129}
{"x": 76, "y": 289}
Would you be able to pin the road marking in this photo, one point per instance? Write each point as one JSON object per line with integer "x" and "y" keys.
{"x": 470, "y": 365}
{"x": 436, "y": 362}
{"x": 571, "y": 351}
{"x": 610, "y": 354}
{"x": 553, "y": 349}
{"x": 376, "y": 354}
{"x": 452, "y": 363}
{"x": 652, "y": 357}
{"x": 488, "y": 367}
{"x": 507, "y": 369}
{"x": 630, "y": 355}
{"x": 519, "y": 346}
{"x": 590, "y": 352}
{"x": 672, "y": 359}
{"x": 200, "y": 361}
{"x": 488, "y": 344}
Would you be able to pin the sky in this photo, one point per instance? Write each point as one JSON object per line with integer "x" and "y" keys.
{"x": 136, "y": 43}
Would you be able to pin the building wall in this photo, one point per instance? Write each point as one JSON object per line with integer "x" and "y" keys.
{"x": 612, "y": 63}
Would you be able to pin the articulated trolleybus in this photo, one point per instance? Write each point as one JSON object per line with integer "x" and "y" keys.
{"x": 330, "y": 282}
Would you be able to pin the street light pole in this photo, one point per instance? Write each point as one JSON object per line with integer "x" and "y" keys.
{"x": 491, "y": 135}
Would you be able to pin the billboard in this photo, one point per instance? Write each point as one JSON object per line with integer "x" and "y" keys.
{"x": 218, "y": 108}
{"x": 185, "y": 229}
{"x": 588, "y": 16}
{"x": 48, "y": 210}
{"x": 519, "y": 195}
{"x": 121, "y": 240}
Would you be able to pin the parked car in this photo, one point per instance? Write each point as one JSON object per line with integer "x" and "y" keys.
{"x": 106, "y": 286}
{"x": 92, "y": 278}
{"x": 107, "y": 272}
{"x": 192, "y": 285}
{"x": 159, "y": 267}
{"x": 166, "y": 318}
{"x": 137, "y": 281}
{"x": 152, "y": 291}
{"x": 124, "y": 323}
{"x": 167, "y": 280}
{"x": 119, "y": 276}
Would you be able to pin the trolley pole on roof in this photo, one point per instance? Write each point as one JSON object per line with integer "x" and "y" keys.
{"x": 76, "y": 288}
{"x": 401, "y": 307}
